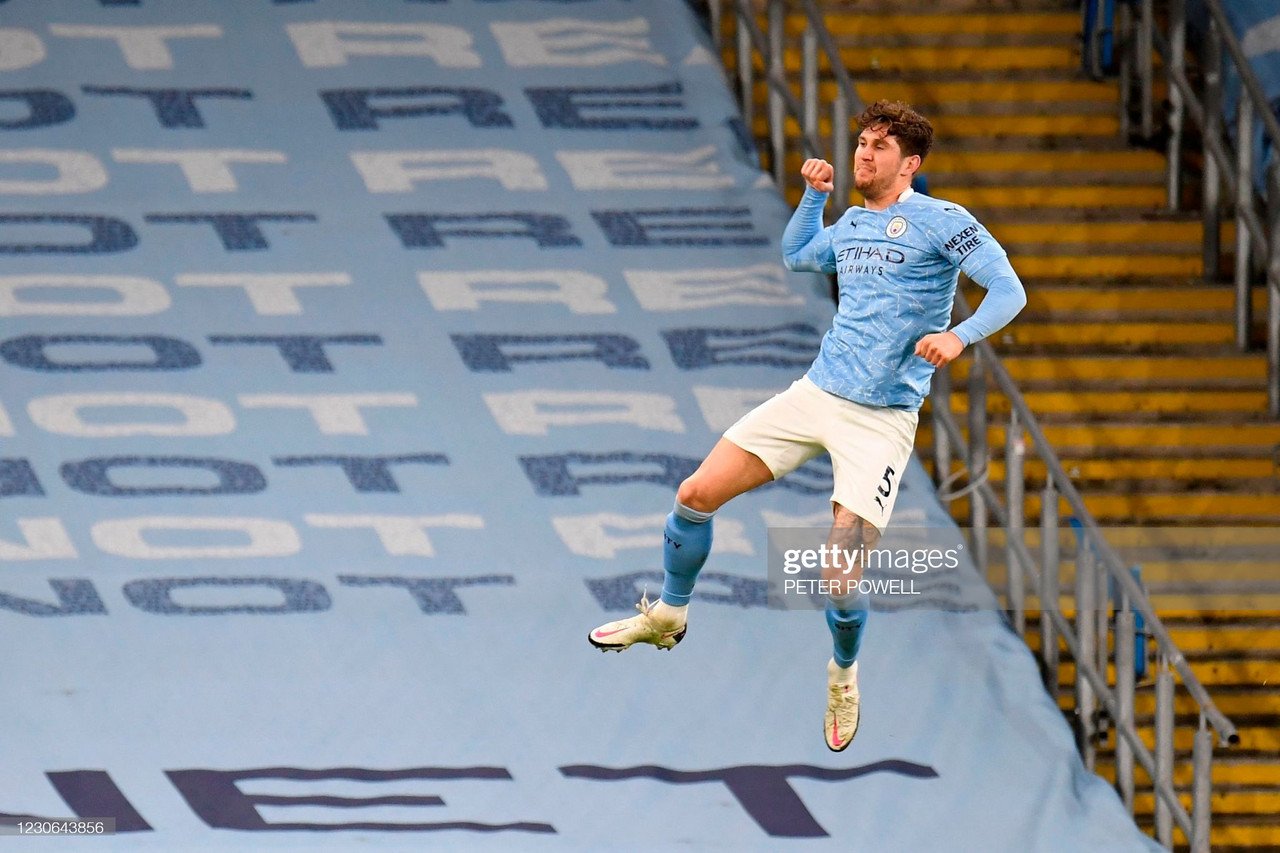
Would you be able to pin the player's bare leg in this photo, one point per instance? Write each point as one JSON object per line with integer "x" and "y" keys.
{"x": 727, "y": 472}
{"x": 850, "y": 537}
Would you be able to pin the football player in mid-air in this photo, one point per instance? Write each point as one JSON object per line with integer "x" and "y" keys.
{"x": 897, "y": 261}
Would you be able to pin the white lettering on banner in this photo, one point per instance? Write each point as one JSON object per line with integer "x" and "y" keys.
{"x": 400, "y": 535}
{"x": 721, "y": 407}
{"x": 686, "y": 290}
{"x": 531, "y": 412}
{"x": 136, "y": 297}
{"x": 271, "y": 294}
{"x": 604, "y": 534}
{"x": 6, "y": 423}
{"x": 19, "y": 49}
{"x": 817, "y": 520}
{"x": 334, "y": 414}
{"x": 77, "y": 172}
{"x": 126, "y": 537}
{"x": 398, "y": 171}
{"x": 144, "y": 48}
{"x": 582, "y": 292}
{"x": 325, "y": 44}
{"x": 575, "y": 42}
{"x": 701, "y": 56}
{"x": 43, "y": 539}
{"x": 61, "y": 414}
{"x": 697, "y": 169}
{"x": 207, "y": 170}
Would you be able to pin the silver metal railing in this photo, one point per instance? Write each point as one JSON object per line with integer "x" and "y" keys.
{"x": 1227, "y": 163}
{"x": 1099, "y": 704}
{"x": 818, "y": 54}
{"x": 1097, "y": 637}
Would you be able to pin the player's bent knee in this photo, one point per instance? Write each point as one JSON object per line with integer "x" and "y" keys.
{"x": 695, "y": 494}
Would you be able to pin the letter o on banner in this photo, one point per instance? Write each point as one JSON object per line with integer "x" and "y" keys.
{"x": 258, "y": 537}
{"x": 155, "y": 595}
{"x": 93, "y": 476}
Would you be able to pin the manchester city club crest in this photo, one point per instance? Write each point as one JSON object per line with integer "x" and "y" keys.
{"x": 896, "y": 227}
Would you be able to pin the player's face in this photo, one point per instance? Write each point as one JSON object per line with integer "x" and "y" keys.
{"x": 878, "y": 162}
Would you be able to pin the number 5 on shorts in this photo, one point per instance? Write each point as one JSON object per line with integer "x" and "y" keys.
{"x": 886, "y": 488}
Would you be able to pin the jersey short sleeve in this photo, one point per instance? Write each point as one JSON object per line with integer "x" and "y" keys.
{"x": 963, "y": 240}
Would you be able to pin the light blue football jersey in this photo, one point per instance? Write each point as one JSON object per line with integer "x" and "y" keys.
{"x": 897, "y": 270}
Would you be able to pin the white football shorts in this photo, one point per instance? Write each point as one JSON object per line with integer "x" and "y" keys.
{"x": 869, "y": 445}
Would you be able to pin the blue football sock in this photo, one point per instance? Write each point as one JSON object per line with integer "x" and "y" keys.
{"x": 846, "y": 619}
{"x": 686, "y": 544}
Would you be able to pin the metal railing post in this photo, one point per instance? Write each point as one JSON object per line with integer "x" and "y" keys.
{"x": 1087, "y": 638}
{"x": 777, "y": 114}
{"x": 746, "y": 73}
{"x": 1015, "y": 487}
{"x": 978, "y": 460}
{"x": 1049, "y": 585}
{"x": 1125, "y": 676}
{"x": 1146, "y": 68}
{"x": 1243, "y": 199}
{"x": 1164, "y": 751}
{"x": 1201, "y": 788}
{"x": 809, "y": 81}
{"x": 1212, "y": 189}
{"x": 941, "y": 403}
{"x": 1126, "y": 45}
{"x": 714, "y": 20}
{"x": 1174, "y": 66}
{"x": 1102, "y": 624}
{"x": 1273, "y": 292}
{"x": 840, "y": 147}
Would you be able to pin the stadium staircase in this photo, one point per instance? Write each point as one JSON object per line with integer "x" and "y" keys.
{"x": 1125, "y": 350}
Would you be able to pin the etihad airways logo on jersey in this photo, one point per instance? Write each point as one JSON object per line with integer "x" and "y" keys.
{"x": 873, "y": 257}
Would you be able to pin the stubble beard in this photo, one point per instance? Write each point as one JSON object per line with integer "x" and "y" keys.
{"x": 875, "y": 188}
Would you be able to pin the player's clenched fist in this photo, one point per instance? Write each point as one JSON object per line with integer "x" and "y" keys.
{"x": 818, "y": 174}
{"x": 940, "y": 349}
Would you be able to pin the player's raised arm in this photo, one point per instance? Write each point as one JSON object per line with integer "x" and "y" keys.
{"x": 805, "y": 245}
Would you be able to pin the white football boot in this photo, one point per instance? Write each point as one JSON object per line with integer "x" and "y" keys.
{"x": 841, "y": 722}
{"x": 657, "y": 629}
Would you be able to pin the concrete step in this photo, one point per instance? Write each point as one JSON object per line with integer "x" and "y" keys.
{"x": 1213, "y": 674}
{"x": 1261, "y": 634}
{"x": 1248, "y": 474}
{"x": 1229, "y": 768}
{"x": 1077, "y": 335}
{"x": 982, "y": 199}
{"x": 944, "y": 93}
{"x": 1079, "y": 439}
{"x": 1259, "y": 800}
{"x": 1097, "y": 370}
{"x": 1062, "y": 53}
{"x": 1077, "y": 260}
{"x": 832, "y": 7}
{"x": 1107, "y": 303}
{"x": 1079, "y": 405}
{"x": 1056, "y": 129}
{"x": 852, "y": 25}
{"x": 946, "y": 97}
{"x": 1231, "y": 833}
{"x": 953, "y": 160}
{"x": 1174, "y": 577}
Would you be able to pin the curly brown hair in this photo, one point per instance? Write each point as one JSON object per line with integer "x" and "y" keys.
{"x": 912, "y": 130}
